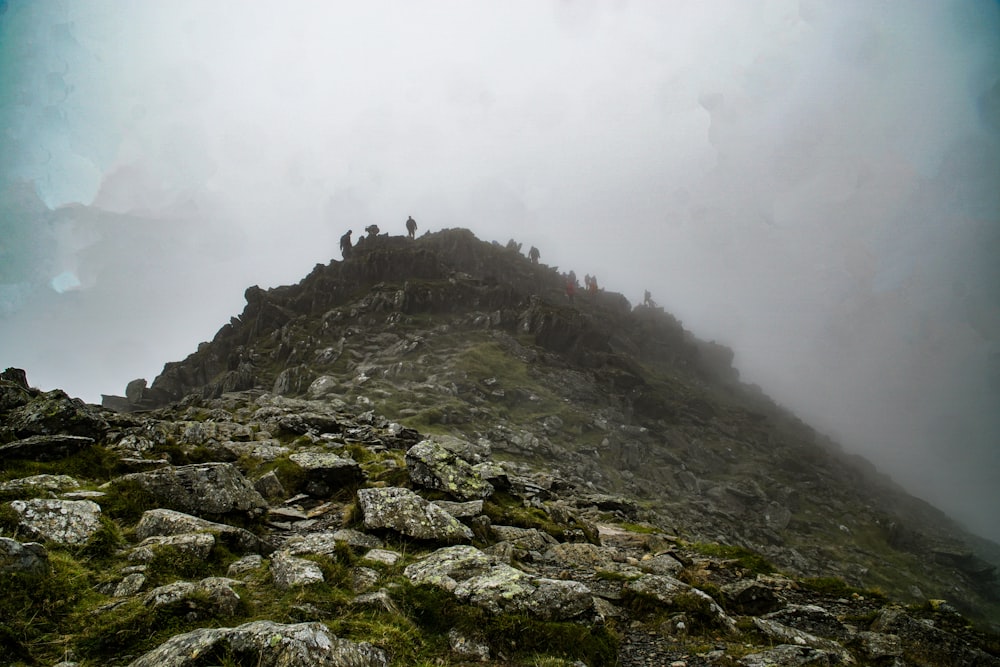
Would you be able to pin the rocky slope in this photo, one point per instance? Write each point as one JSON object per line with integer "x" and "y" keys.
{"x": 426, "y": 455}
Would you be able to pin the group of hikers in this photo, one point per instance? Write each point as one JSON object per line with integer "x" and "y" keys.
{"x": 589, "y": 281}
{"x": 346, "y": 246}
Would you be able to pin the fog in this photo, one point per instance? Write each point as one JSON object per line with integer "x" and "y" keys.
{"x": 815, "y": 183}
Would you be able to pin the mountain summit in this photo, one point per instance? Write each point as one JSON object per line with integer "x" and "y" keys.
{"x": 516, "y": 463}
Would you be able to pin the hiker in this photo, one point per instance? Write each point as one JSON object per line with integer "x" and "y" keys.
{"x": 648, "y": 300}
{"x": 411, "y": 226}
{"x": 513, "y": 246}
{"x": 592, "y": 286}
{"x": 533, "y": 255}
{"x": 372, "y": 230}
{"x": 345, "y": 244}
{"x": 570, "y": 289}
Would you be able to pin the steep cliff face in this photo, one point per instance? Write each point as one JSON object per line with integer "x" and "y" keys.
{"x": 454, "y": 335}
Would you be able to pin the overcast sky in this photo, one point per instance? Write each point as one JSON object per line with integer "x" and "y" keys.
{"x": 815, "y": 183}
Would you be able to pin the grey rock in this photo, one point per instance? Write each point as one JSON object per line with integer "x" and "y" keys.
{"x": 55, "y": 414}
{"x": 405, "y": 512}
{"x": 382, "y": 556}
{"x": 661, "y": 564}
{"x": 461, "y": 510}
{"x": 667, "y": 590}
{"x": 130, "y": 584}
{"x": 433, "y": 466}
{"x": 212, "y": 596}
{"x": 877, "y": 645}
{"x": 208, "y": 489}
{"x": 45, "y": 447}
{"x": 269, "y": 486}
{"x": 467, "y": 647}
{"x": 749, "y": 596}
{"x": 289, "y": 571}
{"x": 62, "y": 521}
{"x": 325, "y": 472}
{"x": 39, "y": 483}
{"x": 504, "y": 589}
{"x": 193, "y": 546}
{"x": 171, "y": 522}
{"x": 786, "y": 655}
{"x": 245, "y": 565}
{"x": 363, "y": 579}
{"x": 447, "y": 567}
{"x": 784, "y": 634}
{"x": 528, "y": 539}
{"x": 265, "y": 644}
{"x": 27, "y": 557}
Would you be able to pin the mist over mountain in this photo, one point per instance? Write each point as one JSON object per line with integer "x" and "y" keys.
{"x": 810, "y": 183}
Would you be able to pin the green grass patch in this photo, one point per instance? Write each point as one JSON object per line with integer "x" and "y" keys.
{"x": 747, "y": 559}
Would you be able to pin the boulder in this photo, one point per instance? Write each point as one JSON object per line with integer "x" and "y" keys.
{"x": 325, "y": 472}
{"x": 432, "y": 466}
{"x": 39, "y": 484}
{"x": 207, "y": 489}
{"x": 407, "y": 513}
{"x": 190, "y": 546}
{"x": 264, "y": 644}
{"x": 504, "y": 589}
{"x": 787, "y": 655}
{"x": 170, "y": 522}
{"x": 55, "y": 413}
{"x": 290, "y": 571}
{"x": 61, "y": 521}
{"x": 26, "y": 557}
{"x": 447, "y": 567}
{"x": 212, "y": 596}
{"x": 668, "y": 590}
{"x": 45, "y": 447}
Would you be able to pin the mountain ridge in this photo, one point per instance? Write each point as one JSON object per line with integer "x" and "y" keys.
{"x": 482, "y": 287}
{"x": 429, "y": 454}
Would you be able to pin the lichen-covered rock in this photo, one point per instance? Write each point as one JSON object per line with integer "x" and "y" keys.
{"x": 504, "y": 589}
{"x": 928, "y": 646}
{"x": 39, "y": 483}
{"x": 264, "y": 644}
{"x": 212, "y": 596}
{"x": 192, "y": 546}
{"x": 207, "y": 489}
{"x": 405, "y": 512}
{"x": 464, "y": 510}
{"x": 784, "y": 634}
{"x": 528, "y": 539}
{"x": 447, "y": 567}
{"x": 55, "y": 413}
{"x": 27, "y": 557}
{"x": 171, "y": 522}
{"x": 289, "y": 571}
{"x": 787, "y": 655}
{"x": 45, "y": 447}
{"x": 749, "y": 596}
{"x": 432, "y": 466}
{"x": 62, "y": 521}
{"x": 325, "y": 472}
{"x": 668, "y": 590}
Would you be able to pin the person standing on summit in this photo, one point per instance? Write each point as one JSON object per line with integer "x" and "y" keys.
{"x": 345, "y": 244}
{"x": 411, "y": 226}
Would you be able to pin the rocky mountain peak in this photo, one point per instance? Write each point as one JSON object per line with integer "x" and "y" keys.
{"x": 428, "y": 453}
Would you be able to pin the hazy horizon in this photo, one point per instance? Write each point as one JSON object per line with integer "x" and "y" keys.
{"x": 813, "y": 183}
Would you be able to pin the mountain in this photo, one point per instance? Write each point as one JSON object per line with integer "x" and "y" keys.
{"x": 428, "y": 453}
